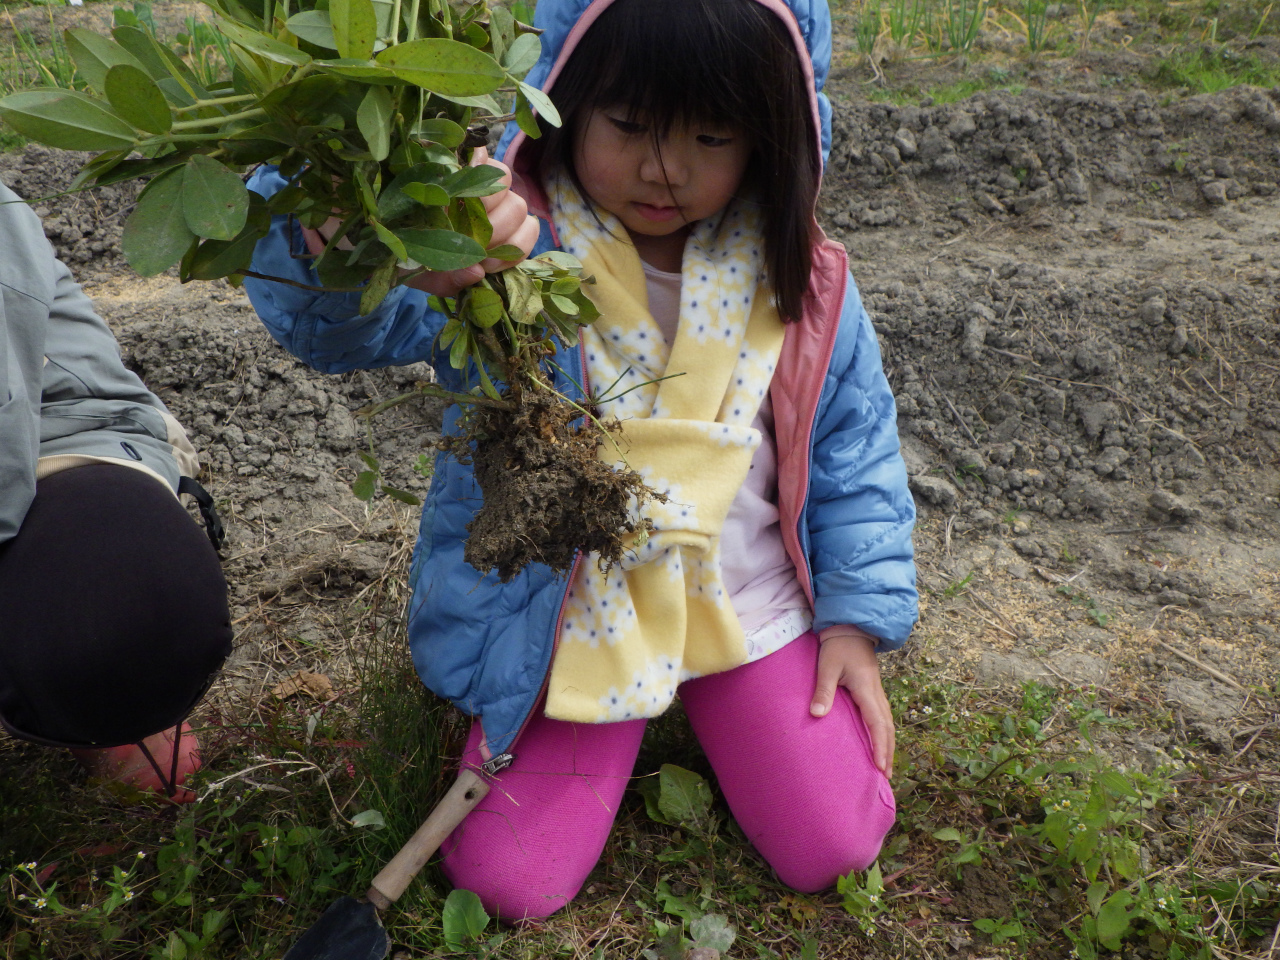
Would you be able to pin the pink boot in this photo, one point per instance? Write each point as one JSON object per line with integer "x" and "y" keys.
{"x": 151, "y": 764}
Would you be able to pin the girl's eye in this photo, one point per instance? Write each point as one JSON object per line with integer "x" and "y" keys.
{"x": 627, "y": 127}
{"x": 709, "y": 140}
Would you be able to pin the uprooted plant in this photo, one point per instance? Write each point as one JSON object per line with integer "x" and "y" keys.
{"x": 371, "y": 110}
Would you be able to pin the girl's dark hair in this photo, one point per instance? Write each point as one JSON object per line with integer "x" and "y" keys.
{"x": 730, "y": 62}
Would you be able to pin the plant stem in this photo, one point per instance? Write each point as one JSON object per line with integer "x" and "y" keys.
{"x": 430, "y": 390}
{"x": 413, "y": 21}
{"x": 242, "y": 115}
{"x": 395, "y": 23}
{"x": 217, "y": 101}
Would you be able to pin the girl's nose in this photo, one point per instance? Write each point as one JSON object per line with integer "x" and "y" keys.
{"x": 664, "y": 163}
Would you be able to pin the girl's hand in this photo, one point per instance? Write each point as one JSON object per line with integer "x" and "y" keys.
{"x": 850, "y": 662}
{"x": 508, "y": 213}
{"x": 512, "y": 223}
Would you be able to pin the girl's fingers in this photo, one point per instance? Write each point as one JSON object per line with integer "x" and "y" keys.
{"x": 879, "y": 720}
{"x": 524, "y": 238}
{"x": 508, "y": 217}
{"x": 824, "y": 691}
{"x": 446, "y": 284}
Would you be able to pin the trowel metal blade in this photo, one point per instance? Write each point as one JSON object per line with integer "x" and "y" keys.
{"x": 348, "y": 930}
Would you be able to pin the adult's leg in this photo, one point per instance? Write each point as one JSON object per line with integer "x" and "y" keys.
{"x": 529, "y": 845}
{"x": 114, "y": 611}
{"x": 805, "y": 790}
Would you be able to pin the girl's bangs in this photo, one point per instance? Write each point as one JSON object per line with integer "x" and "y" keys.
{"x": 667, "y": 63}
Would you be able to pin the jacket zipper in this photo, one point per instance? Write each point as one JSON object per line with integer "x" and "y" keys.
{"x": 506, "y": 758}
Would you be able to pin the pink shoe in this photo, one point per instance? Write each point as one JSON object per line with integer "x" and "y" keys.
{"x": 152, "y": 764}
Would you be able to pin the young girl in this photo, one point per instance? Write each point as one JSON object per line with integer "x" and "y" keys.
{"x": 685, "y": 178}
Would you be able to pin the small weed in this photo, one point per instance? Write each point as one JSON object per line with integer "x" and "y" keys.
{"x": 957, "y": 587}
{"x": 1094, "y": 612}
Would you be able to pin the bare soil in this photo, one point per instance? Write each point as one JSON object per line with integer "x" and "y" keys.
{"x": 1076, "y": 292}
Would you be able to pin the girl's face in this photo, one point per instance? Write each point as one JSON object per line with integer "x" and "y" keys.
{"x": 657, "y": 191}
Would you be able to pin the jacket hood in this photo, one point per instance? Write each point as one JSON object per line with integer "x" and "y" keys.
{"x": 563, "y": 23}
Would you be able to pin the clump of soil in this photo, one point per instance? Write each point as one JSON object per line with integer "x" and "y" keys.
{"x": 547, "y": 494}
{"x": 84, "y": 227}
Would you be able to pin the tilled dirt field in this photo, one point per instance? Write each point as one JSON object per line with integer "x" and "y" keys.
{"x": 1077, "y": 301}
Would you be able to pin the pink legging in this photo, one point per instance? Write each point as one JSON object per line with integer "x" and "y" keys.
{"x": 805, "y": 791}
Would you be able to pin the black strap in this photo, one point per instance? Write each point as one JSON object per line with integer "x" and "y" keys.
{"x": 212, "y": 522}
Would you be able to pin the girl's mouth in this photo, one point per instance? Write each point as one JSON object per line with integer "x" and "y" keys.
{"x": 655, "y": 213}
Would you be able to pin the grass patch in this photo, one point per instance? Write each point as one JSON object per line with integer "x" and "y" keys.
{"x": 1211, "y": 69}
{"x": 946, "y": 92}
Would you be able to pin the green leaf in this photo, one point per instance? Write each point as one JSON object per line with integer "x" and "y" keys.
{"x": 156, "y": 234}
{"x": 442, "y": 249}
{"x": 264, "y": 45}
{"x": 464, "y": 918}
{"x": 214, "y": 200}
{"x": 713, "y": 930}
{"x": 523, "y": 54}
{"x": 446, "y": 67}
{"x": 356, "y": 69}
{"x": 502, "y": 28}
{"x": 525, "y": 118}
{"x": 508, "y": 252}
{"x": 364, "y": 487}
{"x": 442, "y": 131}
{"x": 369, "y": 818}
{"x": 469, "y": 217}
{"x": 136, "y": 41}
{"x": 685, "y": 796}
{"x": 95, "y": 54}
{"x": 540, "y": 102}
{"x": 393, "y": 244}
{"x": 484, "y": 103}
{"x": 563, "y": 304}
{"x": 135, "y": 97}
{"x": 404, "y": 496}
{"x": 427, "y": 194}
{"x": 66, "y": 119}
{"x": 355, "y": 27}
{"x": 314, "y": 27}
{"x": 373, "y": 119}
{"x": 486, "y": 306}
{"x": 460, "y": 350}
{"x": 480, "y": 181}
{"x": 1113, "y": 920}
{"x": 950, "y": 834}
{"x": 1117, "y": 783}
{"x": 220, "y": 258}
{"x": 1096, "y": 893}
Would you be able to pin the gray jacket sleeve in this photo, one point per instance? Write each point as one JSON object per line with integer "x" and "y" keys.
{"x": 63, "y": 387}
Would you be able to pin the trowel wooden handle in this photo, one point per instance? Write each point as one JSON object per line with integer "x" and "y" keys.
{"x": 468, "y": 790}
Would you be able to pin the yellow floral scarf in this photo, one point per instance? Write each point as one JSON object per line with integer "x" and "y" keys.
{"x": 631, "y": 635}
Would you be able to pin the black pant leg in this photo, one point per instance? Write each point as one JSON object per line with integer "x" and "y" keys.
{"x": 113, "y": 611}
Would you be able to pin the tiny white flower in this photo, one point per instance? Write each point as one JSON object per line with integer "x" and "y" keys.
{"x": 40, "y": 903}
{"x": 1161, "y": 902}
{"x": 873, "y": 898}
{"x": 1066, "y": 803}
{"x": 1080, "y": 828}
{"x": 30, "y": 866}
{"x": 927, "y": 711}
{"x": 141, "y": 855}
{"x": 128, "y": 895}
